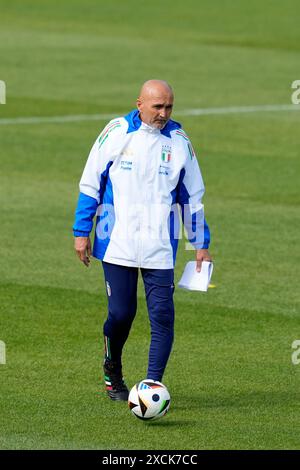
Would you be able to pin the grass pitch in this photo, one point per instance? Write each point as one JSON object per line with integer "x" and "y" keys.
{"x": 231, "y": 379}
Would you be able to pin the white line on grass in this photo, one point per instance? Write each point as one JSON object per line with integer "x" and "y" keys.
{"x": 239, "y": 109}
{"x": 185, "y": 112}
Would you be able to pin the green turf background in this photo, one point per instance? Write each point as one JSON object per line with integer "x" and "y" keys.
{"x": 231, "y": 378}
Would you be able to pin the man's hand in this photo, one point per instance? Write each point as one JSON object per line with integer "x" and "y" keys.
{"x": 82, "y": 247}
{"x": 202, "y": 255}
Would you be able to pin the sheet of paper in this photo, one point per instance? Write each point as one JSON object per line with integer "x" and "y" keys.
{"x": 192, "y": 280}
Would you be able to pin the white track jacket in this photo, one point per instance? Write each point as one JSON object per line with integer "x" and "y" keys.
{"x": 136, "y": 181}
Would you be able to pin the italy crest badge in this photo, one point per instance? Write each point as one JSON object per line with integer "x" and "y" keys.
{"x": 166, "y": 153}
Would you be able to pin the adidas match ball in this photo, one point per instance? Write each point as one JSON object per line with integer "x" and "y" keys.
{"x": 149, "y": 399}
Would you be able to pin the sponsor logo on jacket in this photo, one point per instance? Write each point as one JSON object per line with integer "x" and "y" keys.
{"x": 126, "y": 165}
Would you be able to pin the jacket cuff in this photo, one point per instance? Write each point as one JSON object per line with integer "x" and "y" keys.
{"x": 77, "y": 233}
{"x": 201, "y": 246}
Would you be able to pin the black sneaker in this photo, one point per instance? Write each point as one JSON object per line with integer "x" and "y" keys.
{"x": 115, "y": 385}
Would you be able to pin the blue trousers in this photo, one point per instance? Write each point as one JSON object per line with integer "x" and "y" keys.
{"x": 121, "y": 287}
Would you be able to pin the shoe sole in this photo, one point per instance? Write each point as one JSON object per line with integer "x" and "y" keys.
{"x": 117, "y": 396}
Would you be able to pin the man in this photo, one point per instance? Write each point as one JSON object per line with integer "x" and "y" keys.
{"x": 138, "y": 171}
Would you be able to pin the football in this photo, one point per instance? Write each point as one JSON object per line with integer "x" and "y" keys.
{"x": 149, "y": 399}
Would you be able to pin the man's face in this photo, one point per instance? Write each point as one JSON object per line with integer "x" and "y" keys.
{"x": 155, "y": 109}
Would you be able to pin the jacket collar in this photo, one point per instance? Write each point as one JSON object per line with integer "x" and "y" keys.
{"x": 134, "y": 123}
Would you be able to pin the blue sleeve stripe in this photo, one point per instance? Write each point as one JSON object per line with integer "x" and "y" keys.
{"x": 206, "y": 235}
{"x": 197, "y": 241}
{"x": 174, "y": 229}
{"x": 196, "y": 225}
{"x": 85, "y": 212}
